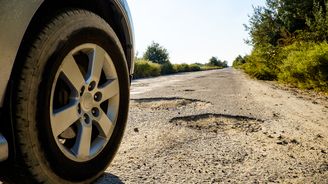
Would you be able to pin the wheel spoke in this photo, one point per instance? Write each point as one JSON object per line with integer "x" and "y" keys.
{"x": 83, "y": 142}
{"x": 72, "y": 72}
{"x": 109, "y": 89}
{"x": 105, "y": 124}
{"x": 97, "y": 62}
{"x": 64, "y": 118}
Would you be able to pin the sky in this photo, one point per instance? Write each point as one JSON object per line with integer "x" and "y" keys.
{"x": 193, "y": 30}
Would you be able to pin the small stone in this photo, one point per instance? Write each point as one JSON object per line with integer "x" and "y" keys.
{"x": 136, "y": 130}
{"x": 294, "y": 141}
{"x": 284, "y": 142}
{"x": 319, "y": 136}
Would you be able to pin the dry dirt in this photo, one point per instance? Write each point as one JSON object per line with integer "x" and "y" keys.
{"x": 222, "y": 127}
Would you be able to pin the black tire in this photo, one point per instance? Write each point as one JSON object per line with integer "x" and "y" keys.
{"x": 39, "y": 158}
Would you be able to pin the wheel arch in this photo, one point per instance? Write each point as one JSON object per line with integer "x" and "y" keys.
{"x": 114, "y": 12}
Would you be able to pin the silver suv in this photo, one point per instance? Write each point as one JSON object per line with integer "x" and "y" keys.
{"x": 65, "y": 71}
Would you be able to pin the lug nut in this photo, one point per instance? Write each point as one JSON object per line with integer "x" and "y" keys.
{"x": 95, "y": 112}
{"x": 92, "y": 86}
{"x": 98, "y": 97}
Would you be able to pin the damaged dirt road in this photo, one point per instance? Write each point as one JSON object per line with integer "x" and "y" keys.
{"x": 221, "y": 126}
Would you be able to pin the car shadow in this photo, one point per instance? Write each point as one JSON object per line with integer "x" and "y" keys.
{"x": 108, "y": 178}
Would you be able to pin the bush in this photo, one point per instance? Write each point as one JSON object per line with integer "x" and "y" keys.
{"x": 167, "y": 68}
{"x": 306, "y": 66}
{"x": 239, "y": 61}
{"x": 182, "y": 67}
{"x": 263, "y": 62}
{"x": 194, "y": 68}
{"x": 144, "y": 68}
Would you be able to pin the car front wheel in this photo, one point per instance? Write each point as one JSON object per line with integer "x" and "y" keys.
{"x": 71, "y": 100}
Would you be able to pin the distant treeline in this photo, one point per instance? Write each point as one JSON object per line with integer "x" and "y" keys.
{"x": 289, "y": 39}
{"x": 155, "y": 62}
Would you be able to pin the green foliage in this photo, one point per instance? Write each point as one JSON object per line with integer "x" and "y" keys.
{"x": 289, "y": 43}
{"x": 187, "y": 68}
{"x": 182, "y": 67}
{"x": 156, "y": 54}
{"x": 306, "y": 66}
{"x": 167, "y": 68}
{"x": 214, "y": 61}
{"x": 194, "y": 68}
{"x": 156, "y": 62}
{"x": 239, "y": 61}
{"x": 263, "y": 62}
{"x": 318, "y": 24}
{"x": 144, "y": 68}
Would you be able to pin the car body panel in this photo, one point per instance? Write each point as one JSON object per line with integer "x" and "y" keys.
{"x": 15, "y": 16}
{"x": 130, "y": 29}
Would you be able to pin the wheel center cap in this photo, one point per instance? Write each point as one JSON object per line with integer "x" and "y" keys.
{"x": 87, "y": 101}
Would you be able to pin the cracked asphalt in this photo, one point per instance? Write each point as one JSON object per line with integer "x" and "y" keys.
{"x": 221, "y": 127}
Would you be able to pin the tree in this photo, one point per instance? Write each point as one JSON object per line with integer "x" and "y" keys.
{"x": 282, "y": 20}
{"x": 156, "y": 54}
{"x": 214, "y": 61}
{"x": 225, "y": 64}
{"x": 239, "y": 61}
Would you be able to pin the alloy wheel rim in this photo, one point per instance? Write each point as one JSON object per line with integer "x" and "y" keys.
{"x": 84, "y": 102}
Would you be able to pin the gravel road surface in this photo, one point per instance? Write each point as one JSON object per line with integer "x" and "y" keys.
{"x": 221, "y": 127}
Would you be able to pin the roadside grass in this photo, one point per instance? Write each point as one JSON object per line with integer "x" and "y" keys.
{"x": 145, "y": 69}
{"x": 302, "y": 64}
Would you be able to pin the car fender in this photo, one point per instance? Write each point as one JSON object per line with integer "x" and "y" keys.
{"x": 15, "y": 16}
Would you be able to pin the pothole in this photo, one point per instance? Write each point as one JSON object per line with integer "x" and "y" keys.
{"x": 169, "y": 103}
{"x": 219, "y": 122}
